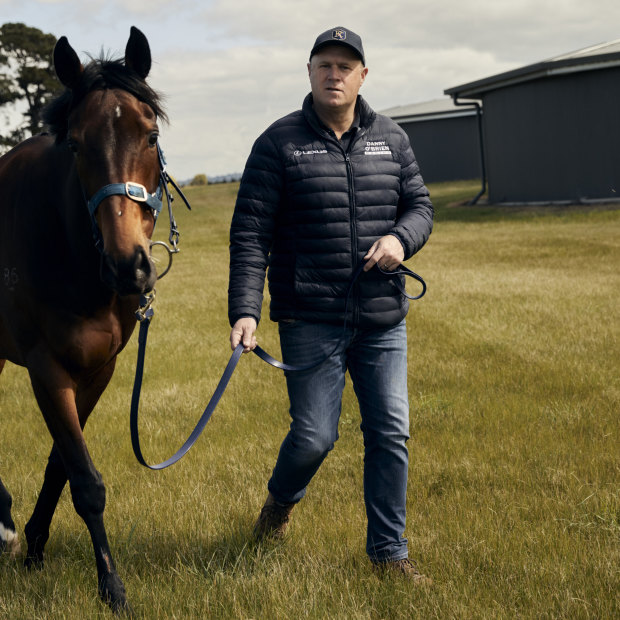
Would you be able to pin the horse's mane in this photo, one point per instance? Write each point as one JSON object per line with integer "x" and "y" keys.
{"x": 99, "y": 74}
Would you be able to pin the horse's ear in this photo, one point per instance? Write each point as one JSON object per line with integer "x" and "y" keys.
{"x": 138, "y": 53}
{"x": 66, "y": 63}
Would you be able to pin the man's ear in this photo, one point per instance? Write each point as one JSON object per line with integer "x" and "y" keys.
{"x": 363, "y": 75}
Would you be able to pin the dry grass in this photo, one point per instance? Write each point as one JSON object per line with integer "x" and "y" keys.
{"x": 513, "y": 496}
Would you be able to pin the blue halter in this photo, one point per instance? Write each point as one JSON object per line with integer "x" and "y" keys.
{"x": 135, "y": 191}
{"x": 139, "y": 193}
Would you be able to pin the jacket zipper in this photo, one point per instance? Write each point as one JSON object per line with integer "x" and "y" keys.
{"x": 352, "y": 211}
{"x": 356, "y": 293}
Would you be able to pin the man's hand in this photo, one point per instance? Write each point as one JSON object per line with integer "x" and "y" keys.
{"x": 388, "y": 252}
{"x": 243, "y": 331}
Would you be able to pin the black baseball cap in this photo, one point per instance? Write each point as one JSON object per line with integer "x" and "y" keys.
{"x": 339, "y": 36}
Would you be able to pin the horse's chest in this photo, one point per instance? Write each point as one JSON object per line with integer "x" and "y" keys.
{"x": 92, "y": 344}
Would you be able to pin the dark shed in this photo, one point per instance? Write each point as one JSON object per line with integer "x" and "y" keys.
{"x": 552, "y": 129}
{"x": 444, "y": 138}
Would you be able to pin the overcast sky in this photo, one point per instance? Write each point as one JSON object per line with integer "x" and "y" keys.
{"x": 229, "y": 68}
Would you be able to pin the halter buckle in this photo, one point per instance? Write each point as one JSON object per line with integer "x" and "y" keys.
{"x": 136, "y": 192}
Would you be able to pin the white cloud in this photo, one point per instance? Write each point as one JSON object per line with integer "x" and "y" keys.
{"x": 231, "y": 67}
{"x": 222, "y": 100}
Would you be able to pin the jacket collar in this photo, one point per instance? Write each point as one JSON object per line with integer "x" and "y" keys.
{"x": 365, "y": 112}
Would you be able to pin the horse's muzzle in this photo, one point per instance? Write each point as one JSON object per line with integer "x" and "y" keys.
{"x": 129, "y": 275}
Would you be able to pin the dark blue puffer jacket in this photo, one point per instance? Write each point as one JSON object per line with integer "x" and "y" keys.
{"x": 309, "y": 211}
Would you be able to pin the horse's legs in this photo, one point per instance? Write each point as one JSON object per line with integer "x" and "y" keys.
{"x": 56, "y": 394}
{"x": 37, "y": 528}
{"x": 9, "y": 540}
{"x": 8, "y": 537}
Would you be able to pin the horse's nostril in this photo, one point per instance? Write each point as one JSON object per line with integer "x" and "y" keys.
{"x": 129, "y": 275}
{"x": 141, "y": 262}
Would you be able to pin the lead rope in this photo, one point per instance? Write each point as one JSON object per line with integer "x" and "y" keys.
{"x": 145, "y": 314}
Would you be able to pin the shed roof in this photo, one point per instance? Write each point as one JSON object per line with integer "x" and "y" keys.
{"x": 427, "y": 110}
{"x": 600, "y": 56}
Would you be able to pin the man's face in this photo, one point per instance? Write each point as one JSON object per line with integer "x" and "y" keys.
{"x": 336, "y": 75}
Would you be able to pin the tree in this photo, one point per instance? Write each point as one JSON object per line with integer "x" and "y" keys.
{"x": 199, "y": 179}
{"x": 26, "y": 74}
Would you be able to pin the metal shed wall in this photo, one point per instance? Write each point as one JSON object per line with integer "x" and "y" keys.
{"x": 446, "y": 148}
{"x": 554, "y": 139}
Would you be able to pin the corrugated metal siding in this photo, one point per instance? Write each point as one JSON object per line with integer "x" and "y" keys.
{"x": 446, "y": 149}
{"x": 554, "y": 139}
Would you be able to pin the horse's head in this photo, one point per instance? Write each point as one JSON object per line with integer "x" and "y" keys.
{"x": 111, "y": 127}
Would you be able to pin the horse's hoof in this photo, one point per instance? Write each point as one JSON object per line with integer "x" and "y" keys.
{"x": 122, "y": 608}
{"x": 33, "y": 562}
{"x": 112, "y": 593}
{"x": 9, "y": 542}
{"x": 34, "y": 558}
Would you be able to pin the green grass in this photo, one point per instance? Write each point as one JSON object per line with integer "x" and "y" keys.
{"x": 514, "y": 500}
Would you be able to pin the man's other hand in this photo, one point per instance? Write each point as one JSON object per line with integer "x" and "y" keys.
{"x": 388, "y": 252}
{"x": 243, "y": 331}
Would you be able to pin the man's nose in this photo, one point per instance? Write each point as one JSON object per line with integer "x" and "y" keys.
{"x": 333, "y": 73}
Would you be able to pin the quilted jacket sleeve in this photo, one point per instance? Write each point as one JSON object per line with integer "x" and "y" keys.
{"x": 415, "y": 210}
{"x": 252, "y": 228}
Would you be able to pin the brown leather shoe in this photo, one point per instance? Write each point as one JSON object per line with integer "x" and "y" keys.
{"x": 404, "y": 568}
{"x": 273, "y": 519}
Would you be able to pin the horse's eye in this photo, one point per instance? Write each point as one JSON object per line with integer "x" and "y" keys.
{"x": 153, "y": 138}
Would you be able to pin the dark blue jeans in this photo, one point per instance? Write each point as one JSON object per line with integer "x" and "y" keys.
{"x": 377, "y": 363}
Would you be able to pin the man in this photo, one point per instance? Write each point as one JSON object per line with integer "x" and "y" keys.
{"x": 325, "y": 188}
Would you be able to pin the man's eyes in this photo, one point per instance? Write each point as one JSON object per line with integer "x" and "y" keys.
{"x": 341, "y": 67}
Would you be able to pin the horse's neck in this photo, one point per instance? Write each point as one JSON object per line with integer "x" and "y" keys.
{"x": 71, "y": 214}
{"x": 65, "y": 231}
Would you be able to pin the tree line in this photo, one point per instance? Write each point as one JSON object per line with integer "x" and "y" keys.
{"x": 27, "y": 80}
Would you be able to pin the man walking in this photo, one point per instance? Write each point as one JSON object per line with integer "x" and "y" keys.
{"x": 325, "y": 188}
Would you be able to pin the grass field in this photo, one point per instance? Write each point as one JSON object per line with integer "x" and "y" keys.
{"x": 514, "y": 492}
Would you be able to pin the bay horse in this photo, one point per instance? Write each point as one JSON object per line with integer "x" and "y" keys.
{"x": 70, "y": 279}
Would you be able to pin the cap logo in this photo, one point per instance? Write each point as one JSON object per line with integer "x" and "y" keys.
{"x": 339, "y": 34}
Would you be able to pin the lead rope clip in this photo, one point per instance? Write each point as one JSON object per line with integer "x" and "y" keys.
{"x": 145, "y": 311}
